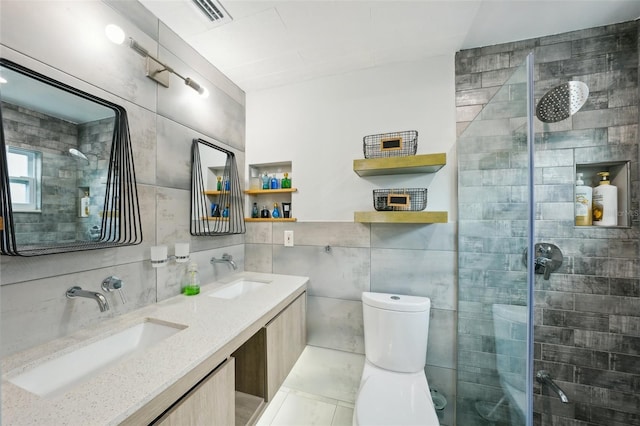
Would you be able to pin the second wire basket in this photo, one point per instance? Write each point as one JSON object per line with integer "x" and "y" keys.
{"x": 400, "y": 199}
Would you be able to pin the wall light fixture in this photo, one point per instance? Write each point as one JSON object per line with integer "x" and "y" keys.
{"x": 156, "y": 70}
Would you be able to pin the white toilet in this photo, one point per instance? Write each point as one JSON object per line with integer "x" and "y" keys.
{"x": 394, "y": 389}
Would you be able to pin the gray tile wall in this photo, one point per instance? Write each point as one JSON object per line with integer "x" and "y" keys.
{"x": 344, "y": 259}
{"x": 162, "y": 121}
{"x": 587, "y": 313}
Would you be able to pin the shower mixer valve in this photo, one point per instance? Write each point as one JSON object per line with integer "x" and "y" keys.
{"x": 547, "y": 259}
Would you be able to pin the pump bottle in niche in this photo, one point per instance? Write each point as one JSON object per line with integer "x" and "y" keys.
{"x": 605, "y": 202}
{"x": 264, "y": 213}
{"x": 84, "y": 205}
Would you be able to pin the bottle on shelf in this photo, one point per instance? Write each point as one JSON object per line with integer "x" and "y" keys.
{"x": 225, "y": 212}
{"x": 583, "y": 204}
{"x": 276, "y": 211}
{"x": 264, "y": 213}
{"x": 215, "y": 210}
{"x": 605, "y": 202}
{"x": 254, "y": 211}
{"x": 274, "y": 182}
{"x": 192, "y": 280}
{"x": 286, "y": 181}
{"x": 219, "y": 184}
{"x": 85, "y": 201}
{"x": 227, "y": 184}
{"x": 265, "y": 181}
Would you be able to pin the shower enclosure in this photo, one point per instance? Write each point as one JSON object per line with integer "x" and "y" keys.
{"x": 577, "y": 326}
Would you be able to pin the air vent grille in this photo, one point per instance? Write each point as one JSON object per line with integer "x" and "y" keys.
{"x": 213, "y": 10}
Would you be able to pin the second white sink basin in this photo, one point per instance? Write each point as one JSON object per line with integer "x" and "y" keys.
{"x": 60, "y": 374}
{"x": 238, "y": 288}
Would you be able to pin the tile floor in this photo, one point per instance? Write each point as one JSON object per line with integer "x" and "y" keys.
{"x": 320, "y": 390}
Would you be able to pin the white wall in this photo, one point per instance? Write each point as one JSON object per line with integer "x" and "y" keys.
{"x": 319, "y": 126}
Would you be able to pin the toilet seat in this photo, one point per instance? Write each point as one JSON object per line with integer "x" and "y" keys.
{"x": 400, "y": 400}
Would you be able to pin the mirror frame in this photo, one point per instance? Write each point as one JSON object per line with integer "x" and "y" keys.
{"x": 121, "y": 225}
{"x": 202, "y": 222}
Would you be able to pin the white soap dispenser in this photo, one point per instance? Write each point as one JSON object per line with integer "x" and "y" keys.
{"x": 583, "y": 213}
{"x": 605, "y": 202}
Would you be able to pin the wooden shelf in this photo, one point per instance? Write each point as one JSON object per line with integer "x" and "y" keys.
{"x": 270, "y": 219}
{"x": 425, "y": 163}
{"x": 269, "y": 191}
{"x": 216, "y": 192}
{"x": 400, "y": 217}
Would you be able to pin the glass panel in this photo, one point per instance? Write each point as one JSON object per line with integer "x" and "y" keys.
{"x": 494, "y": 204}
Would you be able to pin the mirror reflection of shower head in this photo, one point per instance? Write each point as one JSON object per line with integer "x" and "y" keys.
{"x": 562, "y": 101}
{"x": 78, "y": 155}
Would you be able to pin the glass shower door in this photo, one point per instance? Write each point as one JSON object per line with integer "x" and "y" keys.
{"x": 495, "y": 213}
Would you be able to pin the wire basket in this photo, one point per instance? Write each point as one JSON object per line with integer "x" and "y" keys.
{"x": 396, "y": 144}
{"x": 402, "y": 199}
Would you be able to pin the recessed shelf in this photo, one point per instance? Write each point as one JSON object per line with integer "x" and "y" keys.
{"x": 425, "y": 163}
{"x": 270, "y": 219}
{"x": 400, "y": 217}
{"x": 209, "y": 192}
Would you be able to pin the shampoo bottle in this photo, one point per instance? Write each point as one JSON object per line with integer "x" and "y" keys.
{"x": 583, "y": 205}
{"x": 605, "y": 202}
{"x": 84, "y": 205}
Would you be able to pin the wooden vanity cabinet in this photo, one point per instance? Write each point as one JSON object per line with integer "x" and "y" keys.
{"x": 266, "y": 359}
{"x": 210, "y": 402}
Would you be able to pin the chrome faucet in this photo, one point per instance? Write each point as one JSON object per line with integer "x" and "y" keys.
{"x": 226, "y": 258}
{"x": 543, "y": 377}
{"x": 76, "y": 291}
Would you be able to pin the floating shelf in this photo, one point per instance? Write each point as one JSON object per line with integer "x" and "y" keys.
{"x": 400, "y": 217}
{"x": 216, "y": 192}
{"x": 270, "y": 219}
{"x": 425, "y": 163}
{"x": 269, "y": 191}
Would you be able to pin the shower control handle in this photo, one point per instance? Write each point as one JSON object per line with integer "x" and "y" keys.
{"x": 547, "y": 259}
{"x": 544, "y": 378}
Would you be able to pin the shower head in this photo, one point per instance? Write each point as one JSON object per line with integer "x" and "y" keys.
{"x": 78, "y": 155}
{"x": 562, "y": 101}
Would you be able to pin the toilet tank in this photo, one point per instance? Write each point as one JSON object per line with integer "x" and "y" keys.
{"x": 396, "y": 329}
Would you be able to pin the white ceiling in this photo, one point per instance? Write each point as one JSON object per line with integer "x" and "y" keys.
{"x": 273, "y": 43}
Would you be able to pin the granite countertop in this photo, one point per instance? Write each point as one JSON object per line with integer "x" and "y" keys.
{"x": 118, "y": 391}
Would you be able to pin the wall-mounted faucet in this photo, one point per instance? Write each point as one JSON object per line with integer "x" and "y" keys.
{"x": 226, "y": 258}
{"x": 76, "y": 291}
{"x": 543, "y": 377}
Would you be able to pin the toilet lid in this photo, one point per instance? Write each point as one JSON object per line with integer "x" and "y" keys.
{"x": 383, "y": 402}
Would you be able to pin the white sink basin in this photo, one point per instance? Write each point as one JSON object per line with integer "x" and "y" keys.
{"x": 237, "y": 289}
{"x": 60, "y": 374}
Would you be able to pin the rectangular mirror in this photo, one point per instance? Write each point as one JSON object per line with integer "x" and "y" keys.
{"x": 68, "y": 180}
{"x": 217, "y": 206}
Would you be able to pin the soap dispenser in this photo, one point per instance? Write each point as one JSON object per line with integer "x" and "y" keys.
{"x": 192, "y": 280}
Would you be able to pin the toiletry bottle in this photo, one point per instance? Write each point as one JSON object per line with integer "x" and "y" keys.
{"x": 583, "y": 211}
{"x": 264, "y": 213}
{"x": 276, "y": 211}
{"x": 219, "y": 184}
{"x": 265, "y": 181}
{"x": 84, "y": 205}
{"x": 274, "y": 182}
{"x": 225, "y": 212}
{"x": 286, "y": 182}
{"x": 215, "y": 210}
{"x": 227, "y": 184}
{"x": 254, "y": 211}
{"x": 192, "y": 280}
{"x": 605, "y": 202}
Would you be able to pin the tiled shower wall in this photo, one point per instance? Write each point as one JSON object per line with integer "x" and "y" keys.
{"x": 587, "y": 315}
{"x": 344, "y": 259}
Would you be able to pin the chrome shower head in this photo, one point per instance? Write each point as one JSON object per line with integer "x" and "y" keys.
{"x": 562, "y": 101}
{"x": 78, "y": 155}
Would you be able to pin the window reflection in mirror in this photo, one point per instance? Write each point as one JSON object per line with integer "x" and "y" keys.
{"x": 67, "y": 154}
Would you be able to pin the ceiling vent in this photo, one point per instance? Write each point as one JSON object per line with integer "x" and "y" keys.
{"x": 214, "y": 11}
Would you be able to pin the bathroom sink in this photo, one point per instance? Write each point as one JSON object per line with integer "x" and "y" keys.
{"x": 62, "y": 373}
{"x": 237, "y": 289}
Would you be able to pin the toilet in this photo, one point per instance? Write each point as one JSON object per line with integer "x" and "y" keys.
{"x": 394, "y": 389}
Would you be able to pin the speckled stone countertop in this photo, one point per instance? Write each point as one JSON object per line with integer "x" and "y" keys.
{"x": 119, "y": 391}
